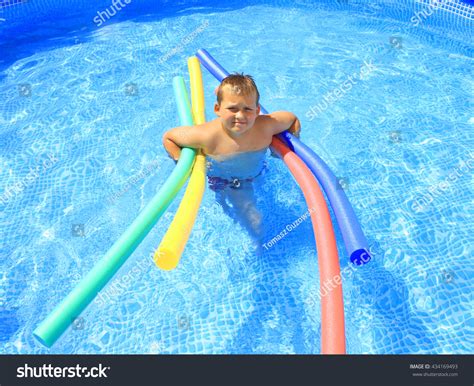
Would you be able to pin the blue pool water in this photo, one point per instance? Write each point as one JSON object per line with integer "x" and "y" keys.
{"x": 82, "y": 112}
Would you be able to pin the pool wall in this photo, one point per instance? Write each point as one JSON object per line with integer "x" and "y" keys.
{"x": 26, "y": 21}
{"x": 454, "y": 12}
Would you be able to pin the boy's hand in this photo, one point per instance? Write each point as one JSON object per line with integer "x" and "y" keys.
{"x": 184, "y": 136}
{"x": 283, "y": 120}
{"x": 295, "y": 128}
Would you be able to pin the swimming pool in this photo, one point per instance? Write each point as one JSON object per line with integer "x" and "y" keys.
{"x": 83, "y": 108}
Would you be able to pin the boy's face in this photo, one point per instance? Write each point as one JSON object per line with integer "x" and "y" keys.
{"x": 237, "y": 112}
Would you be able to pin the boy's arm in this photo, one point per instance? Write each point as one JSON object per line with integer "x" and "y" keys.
{"x": 183, "y": 136}
{"x": 283, "y": 120}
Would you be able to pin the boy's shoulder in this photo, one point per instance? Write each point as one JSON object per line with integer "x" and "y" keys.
{"x": 263, "y": 121}
{"x": 210, "y": 128}
{"x": 208, "y": 131}
{"x": 213, "y": 124}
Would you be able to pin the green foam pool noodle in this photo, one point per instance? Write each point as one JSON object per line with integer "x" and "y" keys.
{"x": 79, "y": 298}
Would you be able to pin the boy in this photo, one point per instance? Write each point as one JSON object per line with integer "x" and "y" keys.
{"x": 235, "y": 144}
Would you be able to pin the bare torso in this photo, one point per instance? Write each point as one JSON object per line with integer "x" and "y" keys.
{"x": 219, "y": 142}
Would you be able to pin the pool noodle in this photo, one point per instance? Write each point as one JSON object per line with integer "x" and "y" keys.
{"x": 80, "y": 297}
{"x": 333, "y": 339}
{"x": 354, "y": 238}
{"x": 332, "y": 306}
{"x": 170, "y": 250}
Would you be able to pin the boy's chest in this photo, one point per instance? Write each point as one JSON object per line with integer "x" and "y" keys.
{"x": 239, "y": 145}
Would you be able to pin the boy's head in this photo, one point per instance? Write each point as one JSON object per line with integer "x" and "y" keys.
{"x": 238, "y": 84}
{"x": 237, "y": 103}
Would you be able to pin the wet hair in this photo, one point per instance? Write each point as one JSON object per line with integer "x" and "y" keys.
{"x": 239, "y": 84}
